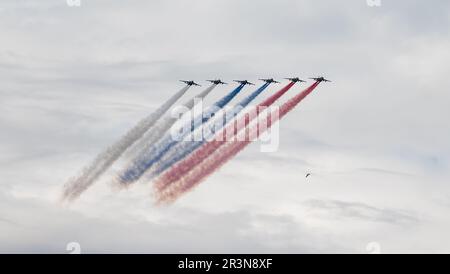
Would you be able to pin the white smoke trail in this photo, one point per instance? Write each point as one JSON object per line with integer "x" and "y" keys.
{"x": 76, "y": 186}
{"x": 162, "y": 126}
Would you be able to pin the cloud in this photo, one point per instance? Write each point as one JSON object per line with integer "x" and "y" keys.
{"x": 40, "y": 227}
{"x": 376, "y": 139}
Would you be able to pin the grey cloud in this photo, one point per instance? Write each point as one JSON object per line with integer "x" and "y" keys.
{"x": 48, "y": 228}
{"x": 362, "y": 211}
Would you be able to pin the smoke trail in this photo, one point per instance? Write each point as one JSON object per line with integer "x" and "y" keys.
{"x": 163, "y": 125}
{"x": 151, "y": 156}
{"x": 227, "y": 152}
{"x": 76, "y": 186}
{"x": 207, "y": 149}
{"x": 182, "y": 149}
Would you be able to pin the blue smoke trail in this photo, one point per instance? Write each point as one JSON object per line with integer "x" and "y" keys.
{"x": 158, "y": 150}
{"x": 185, "y": 148}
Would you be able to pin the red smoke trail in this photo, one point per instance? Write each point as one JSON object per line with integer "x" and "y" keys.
{"x": 180, "y": 168}
{"x": 201, "y": 172}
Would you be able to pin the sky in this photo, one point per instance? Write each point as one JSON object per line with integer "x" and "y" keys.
{"x": 75, "y": 78}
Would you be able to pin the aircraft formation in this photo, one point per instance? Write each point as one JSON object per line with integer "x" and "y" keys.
{"x": 246, "y": 82}
{"x": 173, "y": 166}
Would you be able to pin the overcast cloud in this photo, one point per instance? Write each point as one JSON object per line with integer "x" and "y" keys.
{"x": 376, "y": 140}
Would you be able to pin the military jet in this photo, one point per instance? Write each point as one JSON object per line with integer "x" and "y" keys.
{"x": 190, "y": 83}
{"x": 320, "y": 79}
{"x": 269, "y": 81}
{"x": 217, "y": 82}
{"x": 244, "y": 82}
{"x": 295, "y": 80}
